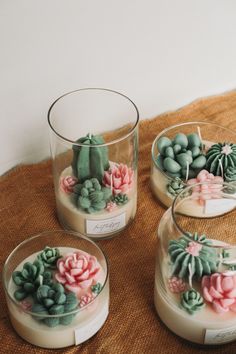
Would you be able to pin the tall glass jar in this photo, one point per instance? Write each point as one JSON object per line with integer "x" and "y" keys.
{"x": 94, "y": 146}
{"x": 181, "y": 152}
{"x": 195, "y": 274}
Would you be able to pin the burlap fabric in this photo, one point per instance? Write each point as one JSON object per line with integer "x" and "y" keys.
{"x": 27, "y": 207}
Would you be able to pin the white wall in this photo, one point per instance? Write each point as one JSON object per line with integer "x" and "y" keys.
{"x": 161, "y": 53}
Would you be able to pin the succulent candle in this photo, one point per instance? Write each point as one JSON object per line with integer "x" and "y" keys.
{"x": 189, "y": 153}
{"x": 61, "y": 293}
{"x": 95, "y": 175}
{"x": 195, "y": 277}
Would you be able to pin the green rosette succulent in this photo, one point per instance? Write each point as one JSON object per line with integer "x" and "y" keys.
{"x": 221, "y": 156}
{"x": 96, "y": 289}
{"x": 49, "y": 257}
{"x": 230, "y": 174}
{"x": 90, "y": 161}
{"x": 182, "y": 154}
{"x": 175, "y": 186}
{"x": 90, "y": 196}
{"x": 52, "y": 300}
{"x": 192, "y": 301}
{"x": 120, "y": 199}
{"x": 195, "y": 252}
{"x": 29, "y": 279}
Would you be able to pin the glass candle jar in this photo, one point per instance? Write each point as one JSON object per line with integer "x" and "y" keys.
{"x": 189, "y": 153}
{"x": 57, "y": 289}
{"x": 94, "y": 146}
{"x": 195, "y": 273}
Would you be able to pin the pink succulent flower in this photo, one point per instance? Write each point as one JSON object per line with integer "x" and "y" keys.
{"x": 67, "y": 183}
{"x": 220, "y": 291}
{"x": 176, "y": 285}
{"x": 78, "y": 271}
{"x": 111, "y": 206}
{"x": 206, "y": 191}
{"x": 119, "y": 178}
{"x": 86, "y": 299}
{"x": 193, "y": 248}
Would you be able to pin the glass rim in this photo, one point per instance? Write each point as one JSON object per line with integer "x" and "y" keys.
{"x": 135, "y": 125}
{"x": 43, "y": 233}
{"x": 186, "y": 189}
{"x": 181, "y": 125}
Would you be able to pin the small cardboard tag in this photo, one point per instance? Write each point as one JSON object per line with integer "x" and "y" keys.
{"x": 218, "y": 336}
{"x": 219, "y": 206}
{"x": 105, "y": 226}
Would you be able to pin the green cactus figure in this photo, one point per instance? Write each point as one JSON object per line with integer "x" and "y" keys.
{"x": 90, "y": 161}
{"x": 192, "y": 250}
{"x": 192, "y": 301}
{"x": 49, "y": 257}
{"x": 52, "y": 300}
{"x": 181, "y": 157}
{"x": 30, "y": 278}
{"x": 120, "y": 199}
{"x": 90, "y": 196}
{"x": 175, "y": 186}
{"x": 220, "y": 157}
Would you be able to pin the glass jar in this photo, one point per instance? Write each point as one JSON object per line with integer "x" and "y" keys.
{"x": 182, "y": 151}
{"x": 195, "y": 272}
{"x": 94, "y": 146}
{"x": 57, "y": 289}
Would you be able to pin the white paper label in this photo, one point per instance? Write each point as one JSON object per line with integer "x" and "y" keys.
{"x": 217, "y": 336}
{"x": 218, "y": 206}
{"x": 87, "y": 331}
{"x": 105, "y": 226}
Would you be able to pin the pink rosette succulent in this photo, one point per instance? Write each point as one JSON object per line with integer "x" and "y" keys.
{"x": 119, "y": 178}
{"x": 111, "y": 206}
{"x": 78, "y": 271}
{"x": 67, "y": 184}
{"x": 220, "y": 291}
{"x": 86, "y": 299}
{"x": 206, "y": 191}
{"x": 176, "y": 285}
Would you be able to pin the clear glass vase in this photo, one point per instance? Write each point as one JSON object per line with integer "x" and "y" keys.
{"x": 181, "y": 152}
{"x": 195, "y": 274}
{"x": 94, "y": 146}
{"x": 59, "y": 310}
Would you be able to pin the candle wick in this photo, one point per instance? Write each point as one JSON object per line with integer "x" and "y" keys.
{"x": 40, "y": 280}
{"x": 187, "y": 171}
{"x": 190, "y": 275}
{"x": 199, "y": 134}
{"x": 221, "y": 167}
{"x": 111, "y": 183}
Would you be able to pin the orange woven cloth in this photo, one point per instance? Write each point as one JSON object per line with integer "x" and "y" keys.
{"x": 27, "y": 207}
